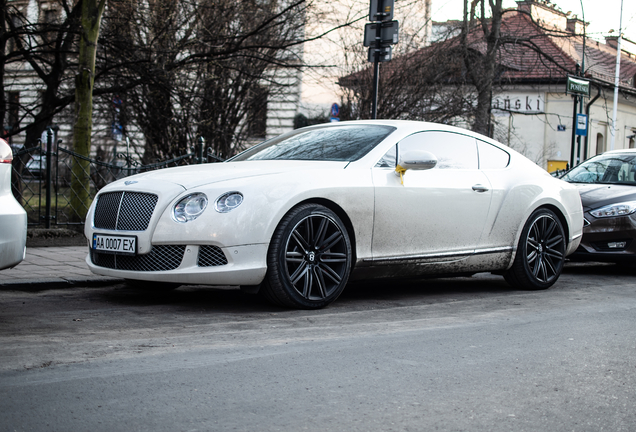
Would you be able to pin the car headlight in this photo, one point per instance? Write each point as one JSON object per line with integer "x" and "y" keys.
{"x": 228, "y": 201}
{"x": 190, "y": 208}
{"x": 613, "y": 210}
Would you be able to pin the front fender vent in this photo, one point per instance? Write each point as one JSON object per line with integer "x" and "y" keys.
{"x": 210, "y": 256}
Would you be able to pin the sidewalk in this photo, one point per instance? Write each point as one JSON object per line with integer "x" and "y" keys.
{"x": 52, "y": 267}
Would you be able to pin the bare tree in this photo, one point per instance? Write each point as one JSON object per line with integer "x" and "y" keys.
{"x": 453, "y": 80}
{"x": 48, "y": 46}
{"x": 428, "y": 84}
{"x": 188, "y": 69}
{"x": 4, "y": 37}
{"x": 142, "y": 46}
{"x": 481, "y": 68}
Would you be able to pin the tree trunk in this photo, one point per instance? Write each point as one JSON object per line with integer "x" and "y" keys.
{"x": 482, "y": 68}
{"x": 92, "y": 11}
{"x": 3, "y": 59}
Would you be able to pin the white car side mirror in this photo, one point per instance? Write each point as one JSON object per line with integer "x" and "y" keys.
{"x": 416, "y": 160}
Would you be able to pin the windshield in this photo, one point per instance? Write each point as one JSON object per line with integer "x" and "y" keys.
{"x": 606, "y": 169}
{"x": 331, "y": 143}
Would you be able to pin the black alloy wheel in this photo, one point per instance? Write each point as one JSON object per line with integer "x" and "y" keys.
{"x": 540, "y": 254}
{"x": 309, "y": 259}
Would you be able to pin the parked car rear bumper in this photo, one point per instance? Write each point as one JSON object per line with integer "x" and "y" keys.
{"x": 13, "y": 221}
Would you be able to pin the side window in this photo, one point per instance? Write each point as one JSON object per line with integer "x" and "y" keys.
{"x": 491, "y": 157}
{"x": 452, "y": 150}
{"x": 389, "y": 160}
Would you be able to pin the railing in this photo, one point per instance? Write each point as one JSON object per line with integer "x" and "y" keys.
{"x": 41, "y": 179}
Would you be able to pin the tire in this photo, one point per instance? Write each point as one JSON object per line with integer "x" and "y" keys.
{"x": 309, "y": 259}
{"x": 540, "y": 254}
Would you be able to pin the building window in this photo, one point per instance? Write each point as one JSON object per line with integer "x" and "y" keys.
{"x": 50, "y": 16}
{"x": 12, "y": 45}
{"x": 600, "y": 143}
{"x": 13, "y": 111}
{"x": 632, "y": 140}
{"x": 257, "y": 108}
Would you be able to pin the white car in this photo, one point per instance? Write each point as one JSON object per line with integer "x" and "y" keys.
{"x": 300, "y": 215}
{"x": 13, "y": 218}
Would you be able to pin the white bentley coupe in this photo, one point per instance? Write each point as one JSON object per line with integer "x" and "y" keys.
{"x": 297, "y": 217}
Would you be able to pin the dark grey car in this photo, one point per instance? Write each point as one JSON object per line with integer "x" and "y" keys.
{"x": 607, "y": 184}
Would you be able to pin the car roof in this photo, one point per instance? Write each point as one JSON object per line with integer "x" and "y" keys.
{"x": 414, "y": 126}
{"x": 633, "y": 151}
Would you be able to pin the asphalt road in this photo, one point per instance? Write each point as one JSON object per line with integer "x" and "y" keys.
{"x": 466, "y": 354}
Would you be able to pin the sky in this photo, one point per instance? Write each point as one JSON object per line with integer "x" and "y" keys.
{"x": 602, "y": 15}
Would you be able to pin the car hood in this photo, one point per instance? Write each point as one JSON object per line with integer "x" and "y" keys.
{"x": 192, "y": 176}
{"x": 598, "y": 195}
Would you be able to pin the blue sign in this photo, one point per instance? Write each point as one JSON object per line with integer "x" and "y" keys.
{"x": 117, "y": 131}
{"x": 581, "y": 124}
{"x": 335, "y": 110}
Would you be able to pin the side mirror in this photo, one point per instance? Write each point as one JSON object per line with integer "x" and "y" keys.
{"x": 417, "y": 160}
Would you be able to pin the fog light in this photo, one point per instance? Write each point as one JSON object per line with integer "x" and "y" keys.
{"x": 617, "y": 245}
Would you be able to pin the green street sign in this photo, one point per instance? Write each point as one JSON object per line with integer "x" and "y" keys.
{"x": 578, "y": 86}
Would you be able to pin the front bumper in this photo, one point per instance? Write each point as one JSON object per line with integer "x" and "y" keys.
{"x": 607, "y": 239}
{"x": 246, "y": 265}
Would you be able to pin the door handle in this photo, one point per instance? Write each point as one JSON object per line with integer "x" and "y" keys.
{"x": 480, "y": 188}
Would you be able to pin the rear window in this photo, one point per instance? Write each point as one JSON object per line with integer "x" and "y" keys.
{"x": 491, "y": 157}
{"x": 331, "y": 143}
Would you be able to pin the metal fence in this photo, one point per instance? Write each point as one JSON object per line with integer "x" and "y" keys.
{"x": 42, "y": 175}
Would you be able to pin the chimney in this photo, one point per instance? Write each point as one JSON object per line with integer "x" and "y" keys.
{"x": 575, "y": 26}
{"x": 544, "y": 13}
{"x": 627, "y": 46}
{"x": 612, "y": 41}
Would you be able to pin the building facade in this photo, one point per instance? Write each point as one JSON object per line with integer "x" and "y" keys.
{"x": 531, "y": 111}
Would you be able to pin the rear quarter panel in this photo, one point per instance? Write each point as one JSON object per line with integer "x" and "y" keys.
{"x": 518, "y": 191}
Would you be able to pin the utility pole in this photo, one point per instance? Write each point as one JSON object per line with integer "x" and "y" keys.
{"x": 617, "y": 78}
{"x": 582, "y": 74}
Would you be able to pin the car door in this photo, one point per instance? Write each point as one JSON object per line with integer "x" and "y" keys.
{"x": 432, "y": 215}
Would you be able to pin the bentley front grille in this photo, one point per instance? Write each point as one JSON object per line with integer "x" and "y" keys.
{"x": 125, "y": 211}
{"x": 160, "y": 258}
{"x": 210, "y": 256}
